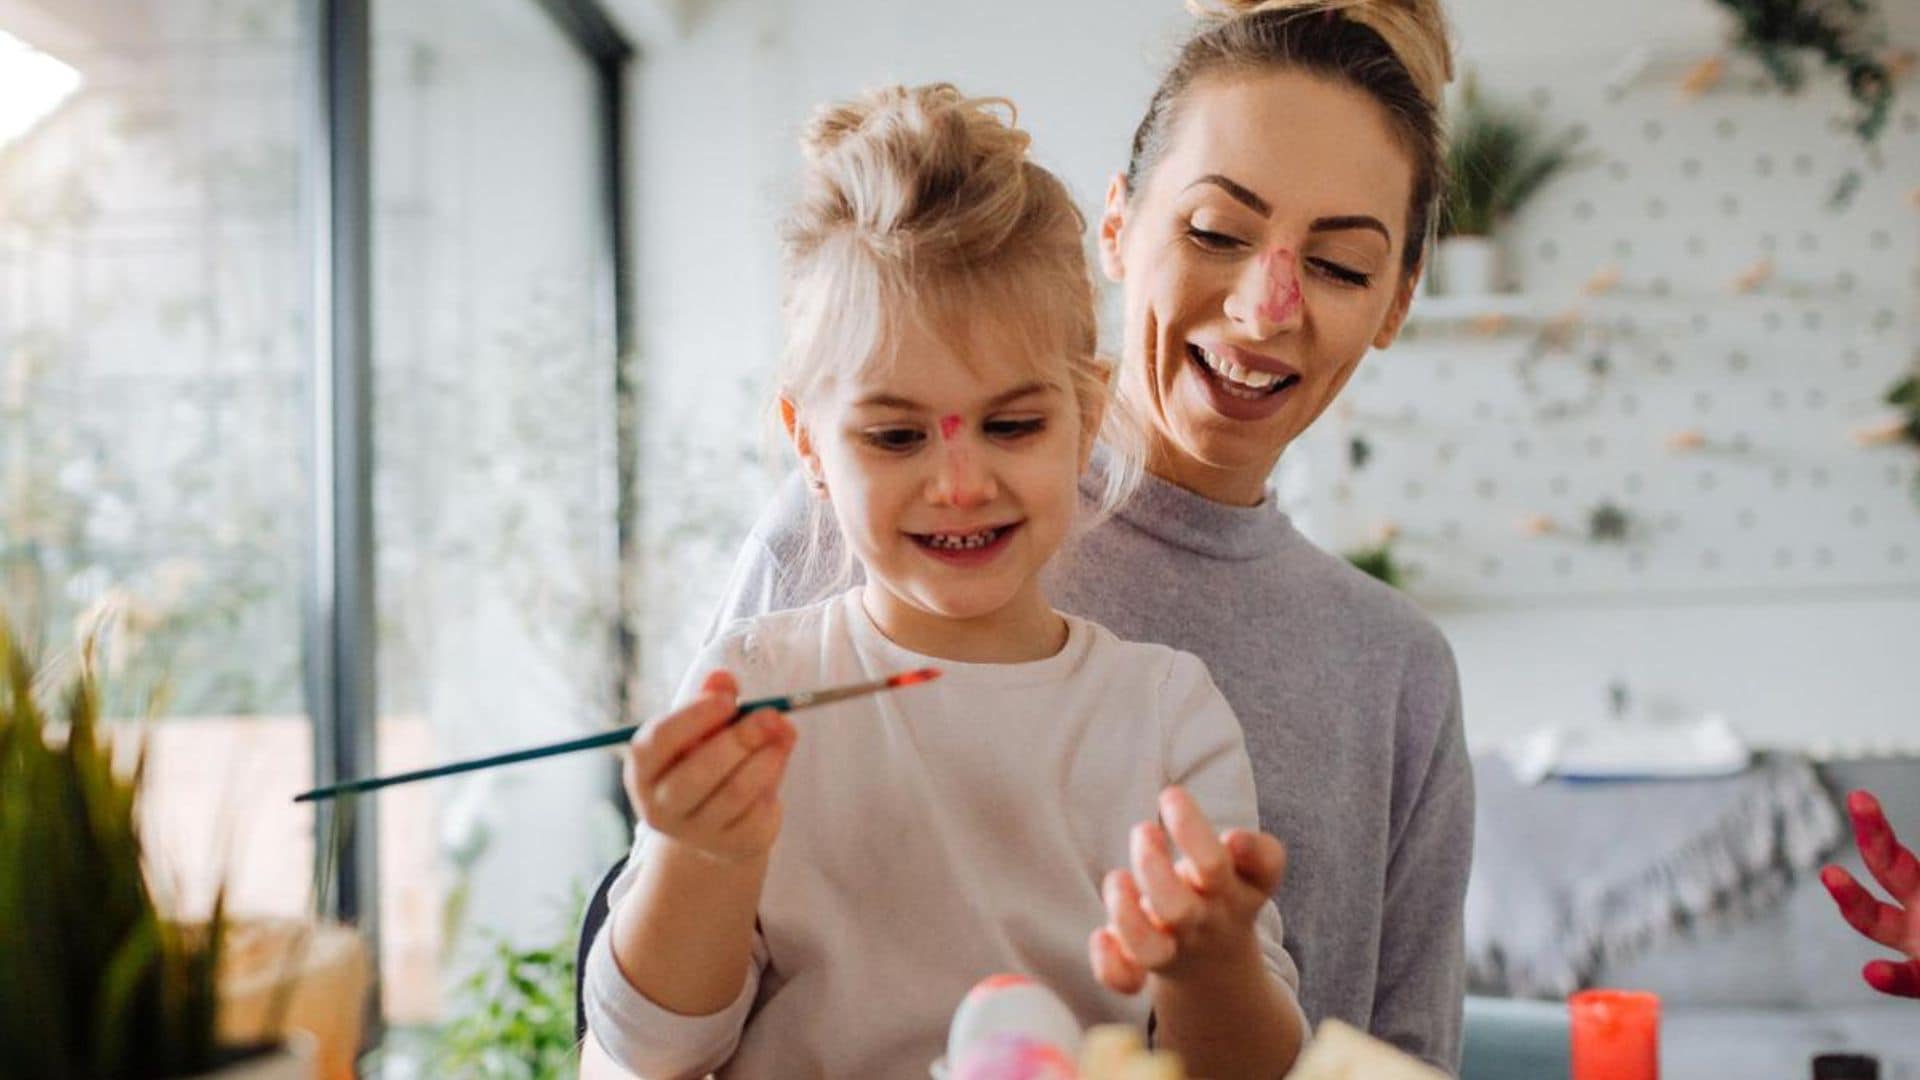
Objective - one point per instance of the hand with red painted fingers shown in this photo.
(709, 786)
(1172, 918)
(1895, 925)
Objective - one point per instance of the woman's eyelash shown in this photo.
(1340, 273)
(1214, 241)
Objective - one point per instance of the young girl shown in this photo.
(814, 896)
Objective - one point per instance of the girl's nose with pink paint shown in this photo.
(961, 481)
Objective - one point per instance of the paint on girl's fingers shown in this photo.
(1282, 301)
(949, 426)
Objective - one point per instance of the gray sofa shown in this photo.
(1755, 1001)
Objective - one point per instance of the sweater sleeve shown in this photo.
(1206, 753)
(1422, 967)
(642, 1036)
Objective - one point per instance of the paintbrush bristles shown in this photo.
(809, 699)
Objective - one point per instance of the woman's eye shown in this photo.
(896, 439)
(1015, 429)
(1213, 241)
(1340, 273)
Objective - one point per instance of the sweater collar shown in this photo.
(1189, 520)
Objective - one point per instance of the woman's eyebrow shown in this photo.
(1258, 205)
(1350, 221)
(1239, 193)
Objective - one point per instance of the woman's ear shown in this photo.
(1402, 303)
(802, 441)
(1113, 220)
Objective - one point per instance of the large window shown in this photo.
(162, 352)
(154, 365)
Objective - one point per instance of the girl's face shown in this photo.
(951, 466)
(1259, 262)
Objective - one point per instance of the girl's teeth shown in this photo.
(963, 543)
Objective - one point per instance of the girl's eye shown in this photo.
(1015, 429)
(894, 439)
(1340, 273)
(1209, 240)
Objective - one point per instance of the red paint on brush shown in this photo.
(949, 425)
(914, 678)
(1283, 287)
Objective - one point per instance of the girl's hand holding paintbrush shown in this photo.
(709, 784)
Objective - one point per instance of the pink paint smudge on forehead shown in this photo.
(949, 425)
(1283, 286)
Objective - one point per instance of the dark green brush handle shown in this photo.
(532, 753)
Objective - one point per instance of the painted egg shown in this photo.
(1013, 1005)
(1005, 1056)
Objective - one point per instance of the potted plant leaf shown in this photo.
(94, 980)
(1497, 158)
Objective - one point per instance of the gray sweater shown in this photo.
(1351, 708)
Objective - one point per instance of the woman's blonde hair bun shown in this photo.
(1416, 30)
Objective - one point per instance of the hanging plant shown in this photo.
(1843, 34)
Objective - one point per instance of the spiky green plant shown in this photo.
(93, 981)
(1497, 159)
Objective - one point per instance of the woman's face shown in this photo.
(1259, 262)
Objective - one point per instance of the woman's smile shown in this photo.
(1241, 386)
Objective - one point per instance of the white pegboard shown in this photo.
(1491, 451)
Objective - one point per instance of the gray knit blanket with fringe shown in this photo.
(1570, 876)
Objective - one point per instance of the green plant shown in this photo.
(1497, 159)
(93, 981)
(516, 1015)
(1777, 32)
(1377, 561)
(1905, 396)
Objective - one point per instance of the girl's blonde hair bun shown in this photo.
(924, 172)
(1416, 30)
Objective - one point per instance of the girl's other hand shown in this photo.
(1173, 919)
(708, 786)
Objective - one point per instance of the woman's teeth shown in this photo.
(962, 541)
(1243, 382)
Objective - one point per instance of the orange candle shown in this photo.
(1616, 1035)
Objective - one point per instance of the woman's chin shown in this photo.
(1220, 444)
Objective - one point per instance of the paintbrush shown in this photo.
(805, 699)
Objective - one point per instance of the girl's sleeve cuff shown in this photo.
(648, 1039)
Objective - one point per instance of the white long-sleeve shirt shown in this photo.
(933, 836)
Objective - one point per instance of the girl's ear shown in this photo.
(1113, 221)
(802, 445)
